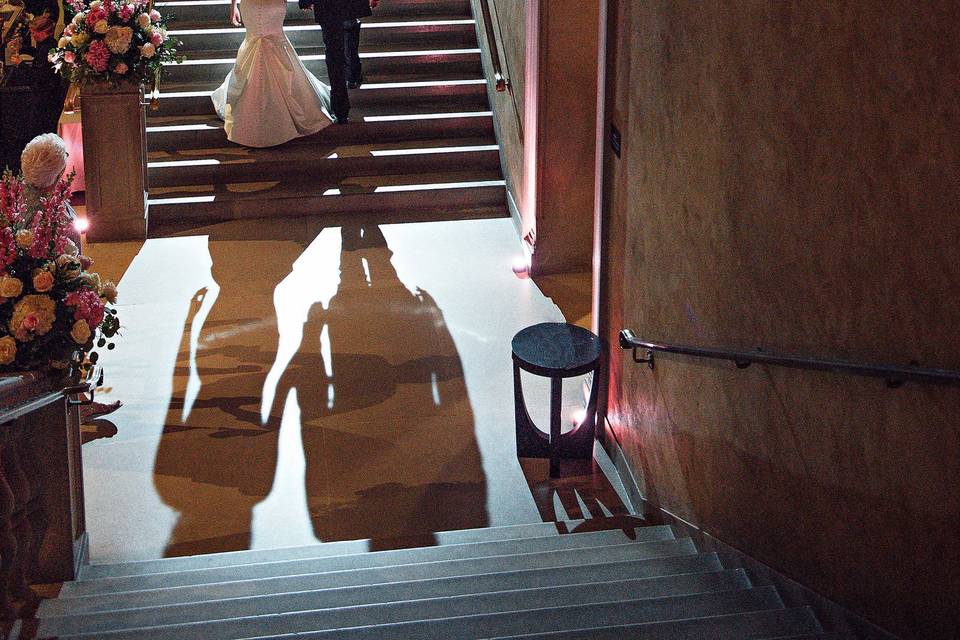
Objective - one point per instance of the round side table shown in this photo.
(555, 350)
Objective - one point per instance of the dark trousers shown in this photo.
(341, 39)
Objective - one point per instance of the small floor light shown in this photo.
(81, 225)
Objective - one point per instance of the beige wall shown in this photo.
(790, 179)
(509, 20)
(566, 136)
(556, 196)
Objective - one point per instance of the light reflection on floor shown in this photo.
(280, 392)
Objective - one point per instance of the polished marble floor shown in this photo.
(317, 384)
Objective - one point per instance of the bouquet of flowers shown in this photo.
(113, 41)
(52, 309)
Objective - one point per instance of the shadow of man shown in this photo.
(386, 422)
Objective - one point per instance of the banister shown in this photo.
(895, 375)
(501, 82)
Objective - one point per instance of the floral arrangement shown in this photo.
(52, 309)
(113, 41)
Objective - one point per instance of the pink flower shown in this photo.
(69, 57)
(87, 307)
(95, 16)
(98, 55)
(126, 12)
(155, 15)
(156, 38)
(8, 247)
(121, 68)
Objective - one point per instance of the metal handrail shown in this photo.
(501, 82)
(895, 375)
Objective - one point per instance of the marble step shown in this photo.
(562, 618)
(365, 199)
(756, 625)
(465, 94)
(405, 601)
(189, 135)
(456, 619)
(653, 536)
(436, 33)
(653, 559)
(302, 163)
(212, 10)
(322, 550)
(422, 63)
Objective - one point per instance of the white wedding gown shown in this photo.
(269, 97)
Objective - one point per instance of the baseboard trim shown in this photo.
(833, 617)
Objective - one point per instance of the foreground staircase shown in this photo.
(523, 581)
(420, 145)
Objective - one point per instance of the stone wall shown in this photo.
(790, 180)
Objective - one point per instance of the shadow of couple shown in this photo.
(296, 358)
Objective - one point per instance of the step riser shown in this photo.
(321, 550)
(602, 586)
(474, 627)
(667, 565)
(647, 610)
(763, 625)
(467, 97)
(446, 36)
(182, 13)
(428, 66)
(659, 540)
(355, 133)
(303, 170)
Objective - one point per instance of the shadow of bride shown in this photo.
(371, 380)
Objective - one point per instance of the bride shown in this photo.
(269, 97)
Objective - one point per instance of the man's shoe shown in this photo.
(341, 120)
(355, 85)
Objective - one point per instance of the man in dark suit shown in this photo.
(340, 22)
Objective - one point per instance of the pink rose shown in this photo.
(43, 281)
(30, 322)
(156, 39)
(69, 57)
(155, 15)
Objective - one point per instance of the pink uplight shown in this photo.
(81, 225)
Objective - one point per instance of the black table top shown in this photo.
(556, 349)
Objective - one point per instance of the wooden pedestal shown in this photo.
(115, 161)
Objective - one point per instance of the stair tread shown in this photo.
(681, 557)
(646, 536)
(456, 619)
(410, 601)
(306, 20)
(344, 547)
(757, 625)
(230, 152)
(358, 114)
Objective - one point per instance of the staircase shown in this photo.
(524, 581)
(420, 145)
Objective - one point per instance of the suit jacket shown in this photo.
(326, 11)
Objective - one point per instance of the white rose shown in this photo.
(147, 50)
(63, 42)
(143, 20)
(101, 26)
(96, 4)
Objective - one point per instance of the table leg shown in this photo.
(556, 390)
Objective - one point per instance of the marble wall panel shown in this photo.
(790, 180)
